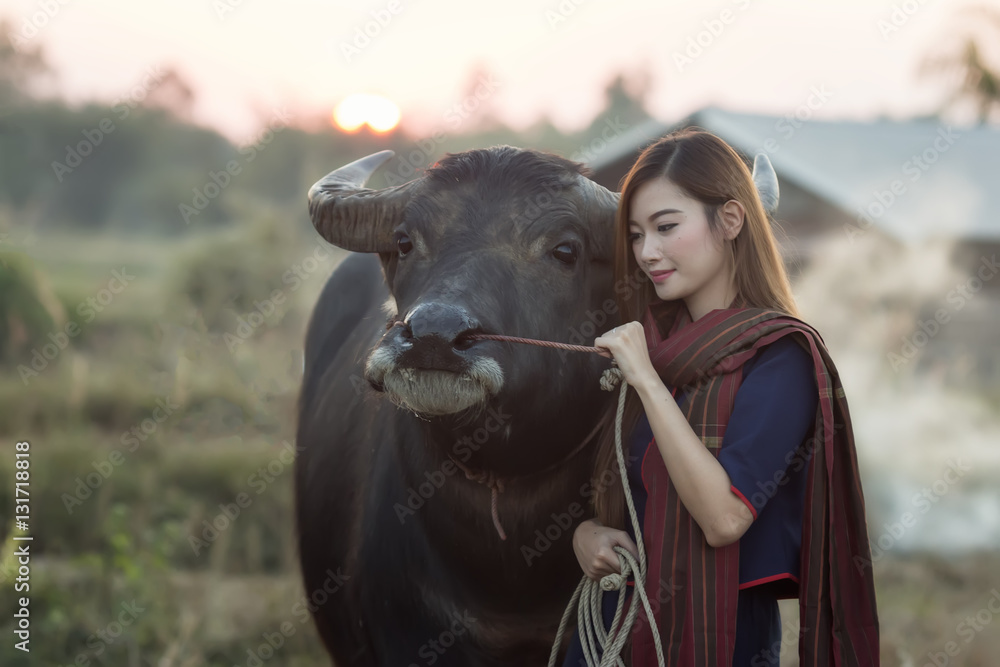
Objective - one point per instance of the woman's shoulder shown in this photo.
(784, 356)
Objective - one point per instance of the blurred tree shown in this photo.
(624, 108)
(626, 96)
(22, 68)
(173, 93)
(139, 165)
(475, 110)
(968, 63)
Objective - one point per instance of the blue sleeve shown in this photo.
(773, 413)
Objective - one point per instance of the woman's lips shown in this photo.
(660, 276)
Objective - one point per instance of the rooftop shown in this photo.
(915, 179)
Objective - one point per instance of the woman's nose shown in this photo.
(650, 250)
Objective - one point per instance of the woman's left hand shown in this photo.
(627, 344)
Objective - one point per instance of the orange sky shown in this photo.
(248, 58)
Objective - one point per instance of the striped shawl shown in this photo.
(693, 587)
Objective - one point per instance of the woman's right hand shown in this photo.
(594, 544)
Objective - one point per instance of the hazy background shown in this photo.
(131, 260)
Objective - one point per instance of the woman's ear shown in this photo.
(732, 215)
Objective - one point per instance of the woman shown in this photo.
(738, 429)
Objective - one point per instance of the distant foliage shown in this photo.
(233, 274)
(28, 311)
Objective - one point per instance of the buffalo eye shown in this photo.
(565, 253)
(403, 244)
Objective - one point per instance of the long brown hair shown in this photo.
(705, 168)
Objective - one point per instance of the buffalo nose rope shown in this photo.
(590, 620)
(588, 593)
(488, 478)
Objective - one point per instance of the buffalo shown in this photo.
(439, 477)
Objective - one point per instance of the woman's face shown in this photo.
(670, 235)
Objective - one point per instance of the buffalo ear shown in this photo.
(600, 206)
(766, 181)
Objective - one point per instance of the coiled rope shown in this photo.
(587, 597)
(589, 593)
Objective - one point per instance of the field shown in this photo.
(160, 439)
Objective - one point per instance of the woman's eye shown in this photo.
(403, 244)
(565, 252)
(664, 227)
(633, 238)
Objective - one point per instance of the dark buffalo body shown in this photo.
(494, 241)
(392, 535)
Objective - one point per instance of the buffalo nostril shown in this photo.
(439, 323)
(464, 340)
(399, 328)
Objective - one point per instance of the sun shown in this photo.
(378, 113)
